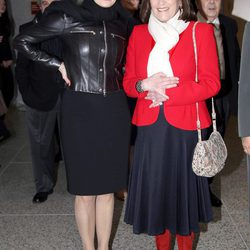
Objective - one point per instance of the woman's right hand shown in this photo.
(159, 82)
(156, 86)
(63, 72)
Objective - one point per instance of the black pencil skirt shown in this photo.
(95, 134)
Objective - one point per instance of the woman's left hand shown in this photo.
(156, 98)
(63, 72)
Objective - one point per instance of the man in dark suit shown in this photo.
(225, 31)
(40, 88)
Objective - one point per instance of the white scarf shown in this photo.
(166, 36)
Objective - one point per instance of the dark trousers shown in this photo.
(41, 129)
(222, 109)
(7, 85)
(222, 106)
(3, 129)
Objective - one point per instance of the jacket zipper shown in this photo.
(105, 57)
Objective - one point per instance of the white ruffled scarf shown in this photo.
(166, 36)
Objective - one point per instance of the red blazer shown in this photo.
(180, 109)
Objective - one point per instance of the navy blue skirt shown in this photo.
(164, 193)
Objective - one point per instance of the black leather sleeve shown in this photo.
(50, 26)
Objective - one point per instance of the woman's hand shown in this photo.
(63, 72)
(246, 144)
(158, 82)
(6, 64)
(156, 98)
(156, 86)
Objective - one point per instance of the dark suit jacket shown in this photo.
(5, 31)
(38, 84)
(232, 60)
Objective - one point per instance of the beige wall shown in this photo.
(227, 9)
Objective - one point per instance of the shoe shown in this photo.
(4, 136)
(41, 196)
(215, 201)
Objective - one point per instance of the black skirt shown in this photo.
(95, 134)
(164, 193)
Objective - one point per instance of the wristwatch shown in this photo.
(138, 86)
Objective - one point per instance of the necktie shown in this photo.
(220, 50)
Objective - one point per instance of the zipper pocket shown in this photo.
(83, 31)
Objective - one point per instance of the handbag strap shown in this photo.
(198, 123)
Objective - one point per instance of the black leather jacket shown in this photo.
(93, 51)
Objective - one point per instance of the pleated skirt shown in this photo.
(95, 136)
(164, 193)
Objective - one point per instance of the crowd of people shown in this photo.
(84, 67)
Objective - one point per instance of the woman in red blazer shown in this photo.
(165, 197)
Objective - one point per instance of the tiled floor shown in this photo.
(51, 226)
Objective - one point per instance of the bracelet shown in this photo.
(138, 86)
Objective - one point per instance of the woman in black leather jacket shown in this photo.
(95, 120)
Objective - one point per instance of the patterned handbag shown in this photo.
(209, 155)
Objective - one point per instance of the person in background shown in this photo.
(40, 88)
(133, 7)
(4, 132)
(6, 78)
(6, 59)
(165, 197)
(225, 31)
(95, 119)
(244, 100)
